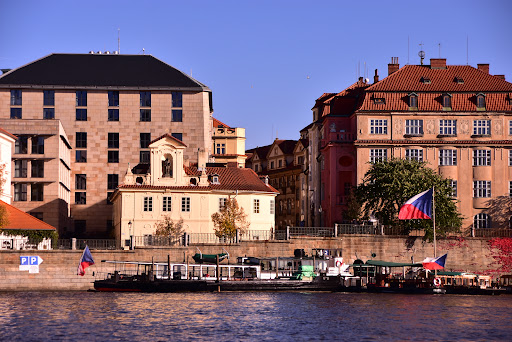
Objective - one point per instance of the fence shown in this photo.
(103, 244)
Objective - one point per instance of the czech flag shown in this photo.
(434, 263)
(85, 261)
(418, 207)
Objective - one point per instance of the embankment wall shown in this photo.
(59, 267)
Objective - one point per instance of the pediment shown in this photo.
(167, 142)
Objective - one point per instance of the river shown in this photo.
(91, 316)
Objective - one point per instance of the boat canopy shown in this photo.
(209, 258)
(392, 264)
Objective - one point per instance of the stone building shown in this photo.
(6, 142)
(228, 144)
(103, 110)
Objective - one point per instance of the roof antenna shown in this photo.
(467, 49)
(439, 50)
(421, 53)
(118, 40)
(407, 50)
(144, 51)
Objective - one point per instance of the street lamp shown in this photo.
(130, 233)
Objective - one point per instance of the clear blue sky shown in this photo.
(256, 56)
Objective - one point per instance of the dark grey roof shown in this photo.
(100, 70)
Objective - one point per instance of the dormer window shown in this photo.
(510, 99)
(379, 100)
(215, 179)
(425, 80)
(480, 101)
(458, 80)
(447, 101)
(413, 101)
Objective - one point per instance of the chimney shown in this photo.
(438, 63)
(5, 71)
(483, 67)
(501, 77)
(376, 77)
(393, 66)
(360, 80)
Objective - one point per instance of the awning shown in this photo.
(392, 264)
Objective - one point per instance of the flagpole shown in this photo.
(434, 223)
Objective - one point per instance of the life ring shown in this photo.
(338, 263)
(437, 282)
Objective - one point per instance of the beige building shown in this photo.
(228, 144)
(171, 187)
(6, 142)
(110, 107)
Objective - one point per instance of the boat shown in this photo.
(467, 283)
(209, 258)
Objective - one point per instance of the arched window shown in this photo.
(482, 221)
(413, 100)
(480, 101)
(167, 166)
(447, 101)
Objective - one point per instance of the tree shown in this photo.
(388, 185)
(230, 219)
(168, 228)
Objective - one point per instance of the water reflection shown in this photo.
(70, 316)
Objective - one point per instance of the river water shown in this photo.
(91, 316)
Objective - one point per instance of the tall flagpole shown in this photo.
(434, 219)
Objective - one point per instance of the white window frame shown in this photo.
(378, 126)
(222, 202)
(414, 127)
(148, 203)
(453, 184)
(509, 157)
(167, 203)
(448, 127)
(185, 204)
(272, 207)
(378, 155)
(481, 189)
(447, 157)
(481, 221)
(481, 157)
(256, 206)
(481, 127)
(414, 154)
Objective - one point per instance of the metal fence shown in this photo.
(104, 244)
(489, 232)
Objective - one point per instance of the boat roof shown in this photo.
(392, 264)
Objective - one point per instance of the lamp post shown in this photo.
(130, 233)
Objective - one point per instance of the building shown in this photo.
(171, 187)
(104, 110)
(456, 118)
(6, 142)
(228, 144)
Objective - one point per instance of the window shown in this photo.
(145, 99)
(113, 98)
(37, 145)
(481, 127)
(414, 154)
(256, 167)
(256, 206)
(81, 114)
(80, 197)
(447, 157)
(378, 126)
(510, 127)
(48, 98)
(167, 203)
(36, 192)
(145, 115)
(113, 156)
(112, 181)
(15, 113)
(185, 204)
(480, 101)
(178, 136)
(280, 163)
(81, 140)
(109, 195)
(222, 203)
(481, 189)
(177, 115)
(481, 221)
(272, 165)
(148, 203)
(81, 156)
(37, 167)
(20, 192)
(448, 127)
(48, 113)
(378, 155)
(272, 207)
(481, 157)
(21, 145)
(509, 157)
(145, 139)
(510, 190)
(113, 140)
(220, 149)
(144, 157)
(113, 115)
(413, 101)
(447, 101)
(177, 99)
(80, 182)
(20, 168)
(81, 98)
(16, 97)
(453, 184)
(414, 127)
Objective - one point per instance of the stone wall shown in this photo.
(58, 269)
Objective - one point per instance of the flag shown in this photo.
(418, 207)
(85, 261)
(434, 263)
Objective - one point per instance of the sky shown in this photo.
(265, 61)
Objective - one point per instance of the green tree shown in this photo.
(388, 185)
(168, 228)
(230, 219)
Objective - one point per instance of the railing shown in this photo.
(251, 235)
(155, 240)
(359, 229)
(104, 244)
(490, 232)
(311, 231)
(209, 238)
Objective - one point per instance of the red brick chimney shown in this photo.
(376, 77)
(437, 63)
(483, 67)
(501, 77)
(393, 66)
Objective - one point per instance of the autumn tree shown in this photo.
(229, 219)
(388, 185)
(4, 220)
(168, 228)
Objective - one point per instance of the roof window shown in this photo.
(425, 80)
(480, 101)
(379, 100)
(447, 101)
(413, 101)
(459, 80)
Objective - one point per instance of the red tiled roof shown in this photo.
(287, 146)
(21, 220)
(230, 178)
(168, 136)
(217, 123)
